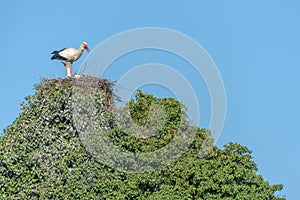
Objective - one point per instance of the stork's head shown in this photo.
(85, 46)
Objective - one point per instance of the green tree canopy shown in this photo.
(42, 155)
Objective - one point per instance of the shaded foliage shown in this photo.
(42, 156)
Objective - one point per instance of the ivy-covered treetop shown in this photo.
(43, 156)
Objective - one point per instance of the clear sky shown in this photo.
(255, 45)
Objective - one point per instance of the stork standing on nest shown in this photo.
(69, 55)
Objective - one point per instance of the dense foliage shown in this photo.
(43, 157)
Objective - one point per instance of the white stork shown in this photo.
(69, 55)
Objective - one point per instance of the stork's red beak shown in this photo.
(87, 48)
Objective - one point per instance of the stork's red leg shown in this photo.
(71, 65)
(65, 64)
(68, 69)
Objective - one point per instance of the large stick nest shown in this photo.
(84, 83)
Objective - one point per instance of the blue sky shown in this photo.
(254, 44)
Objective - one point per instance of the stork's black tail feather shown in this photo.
(55, 52)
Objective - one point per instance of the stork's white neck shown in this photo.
(81, 48)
